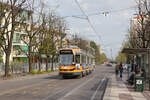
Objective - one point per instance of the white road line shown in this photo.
(22, 88)
(76, 88)
(54, 94)
(94, 94)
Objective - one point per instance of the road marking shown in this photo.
(59, 92)
(24, 92)
(35, 92)
(54, 94)
(25, 87)
(94, 94)
(76, 88)
(37, 88)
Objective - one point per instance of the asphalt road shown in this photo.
(53, 87)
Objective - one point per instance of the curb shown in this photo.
(107, 90)
(105, 87)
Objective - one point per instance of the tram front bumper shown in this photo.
(70, 73)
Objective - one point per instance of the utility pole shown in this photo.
(60, 30)
(111, 53)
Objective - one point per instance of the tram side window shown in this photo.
(77, 59)
(87, 60)
(83, 60)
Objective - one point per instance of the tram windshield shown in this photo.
(66, 59)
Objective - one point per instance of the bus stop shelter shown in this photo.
(137, 51)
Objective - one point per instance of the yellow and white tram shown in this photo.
(75, 62)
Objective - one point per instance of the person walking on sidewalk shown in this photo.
(121, 70)
(117, 69)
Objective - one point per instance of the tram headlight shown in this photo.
(77, 66)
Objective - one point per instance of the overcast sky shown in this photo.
(111, 29)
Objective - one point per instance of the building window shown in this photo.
(16, 38)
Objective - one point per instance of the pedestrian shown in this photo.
(132, 66)
(131, 78)
(117, 69)
(143, 73)
(137, 69)
(121, 70)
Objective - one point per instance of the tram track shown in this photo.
(53, 87)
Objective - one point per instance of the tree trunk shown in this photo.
(148, 66)
(47, 64)
(7, 64)
(30, 64)
(52, 68)
(30, 56)
(39, 63)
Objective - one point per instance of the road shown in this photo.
(53, 87)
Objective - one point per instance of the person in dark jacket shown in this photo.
(131, 78)
(121, 69)
(143, 73)
(117, 69)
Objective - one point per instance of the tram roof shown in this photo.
(79, 51)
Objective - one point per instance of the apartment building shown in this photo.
(19, 48)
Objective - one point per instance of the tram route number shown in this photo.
(138, 81)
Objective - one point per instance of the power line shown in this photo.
(104, 12)
(80, 17)
(80, 8)
(111, 11)
(87, 18)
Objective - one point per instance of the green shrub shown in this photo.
(48, 71)
(40, 72)
(53, 71)
(33, 72)
(9, 74)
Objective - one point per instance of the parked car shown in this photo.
(109, 65)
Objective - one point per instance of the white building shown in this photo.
(18, 46)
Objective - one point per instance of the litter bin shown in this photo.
(139, 83)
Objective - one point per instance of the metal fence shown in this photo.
(1, 68)
(18, 67)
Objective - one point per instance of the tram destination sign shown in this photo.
(66, 52)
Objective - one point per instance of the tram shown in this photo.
(75, 62)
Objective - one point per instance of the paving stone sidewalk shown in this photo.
(118, 89)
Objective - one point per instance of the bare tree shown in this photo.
(54, 29)
(10, 17)
(48, 46)
(140, 26)
(34, 30)
(61, 27)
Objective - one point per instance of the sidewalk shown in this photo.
(118, 89)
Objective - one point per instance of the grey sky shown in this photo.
(111, 28)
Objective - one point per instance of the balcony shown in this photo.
(17, 38)
(19, 51)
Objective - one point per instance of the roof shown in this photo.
(140, 16)
(135, 50)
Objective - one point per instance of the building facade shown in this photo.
(19, 48)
